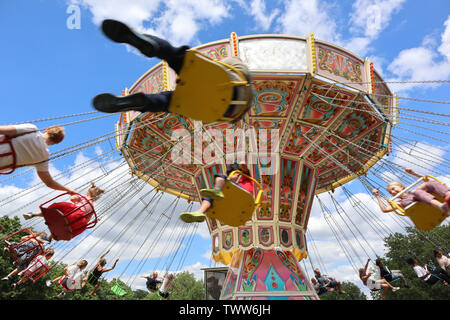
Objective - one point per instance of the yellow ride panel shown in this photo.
(235, 209)
(424, 216)
(205, 89)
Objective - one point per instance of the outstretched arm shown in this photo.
(367, 265)
(113, 266)
(413, 173)
(9, 131)
(383, 207)
(49, 182)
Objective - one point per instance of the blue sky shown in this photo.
(49, 70)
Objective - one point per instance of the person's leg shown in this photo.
(12, 273)
(385, 283)
(199, 215)
(216, 192)
(443, 275)
(158, 102)
(338, 285)
(93, 293)
(149, 45)
(57, 279)
(428, 198)
(385, 291)
(219, 183)
(30, 215)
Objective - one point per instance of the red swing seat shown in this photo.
(65, 288)
(12, 154)
(39, 269)
(35, 245)
(66, 220)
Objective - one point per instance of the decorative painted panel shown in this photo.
(324, 103)
(288, 181)
(340, 66)
(273, 97)
(216, 51)
(297, 142)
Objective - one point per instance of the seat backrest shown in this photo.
(12, 154)
(424, 216)
(205, 89)
(57, 224)
(237, 209)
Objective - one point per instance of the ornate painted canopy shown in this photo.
(333, 114)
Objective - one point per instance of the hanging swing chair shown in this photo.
(238, 204)
(66, 220)
(424, 216)
(12, 154)
(36, 270)
(33, 246)
(207, 97)
(66, 282)
(117, 289)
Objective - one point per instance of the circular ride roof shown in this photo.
(331, 108)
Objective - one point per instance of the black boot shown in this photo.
(149, 45)
(109, 103)
(141, 102)
(121, 33)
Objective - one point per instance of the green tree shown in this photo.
(187, 288)
(420, 245)
(352, 293)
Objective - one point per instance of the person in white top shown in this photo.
(30, 147)
(166, 285)
(375, 285)
(72, 278)
(37, 265)
(442, 260)
(430, 277)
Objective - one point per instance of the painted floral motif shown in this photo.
(355, 124)
(297, 141)
(216, 52)
(273, 97)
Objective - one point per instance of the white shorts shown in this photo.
(373, 284)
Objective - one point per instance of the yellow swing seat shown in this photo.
(205, 89)
(424, 216)
(238, 205)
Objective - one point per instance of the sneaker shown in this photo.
(109, 103)
(14, 286)
(395, 289)
(121, 33)
(61, 295)
(28, 215)
(5, 251)
(190, 217)
(5, 278)
(212, 193)
(48, 283)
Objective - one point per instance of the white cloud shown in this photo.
(257, 9)
(422, 157)
(423, 63)
(176, 20)
(371, 17)
(302, 17)
(130, 232)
